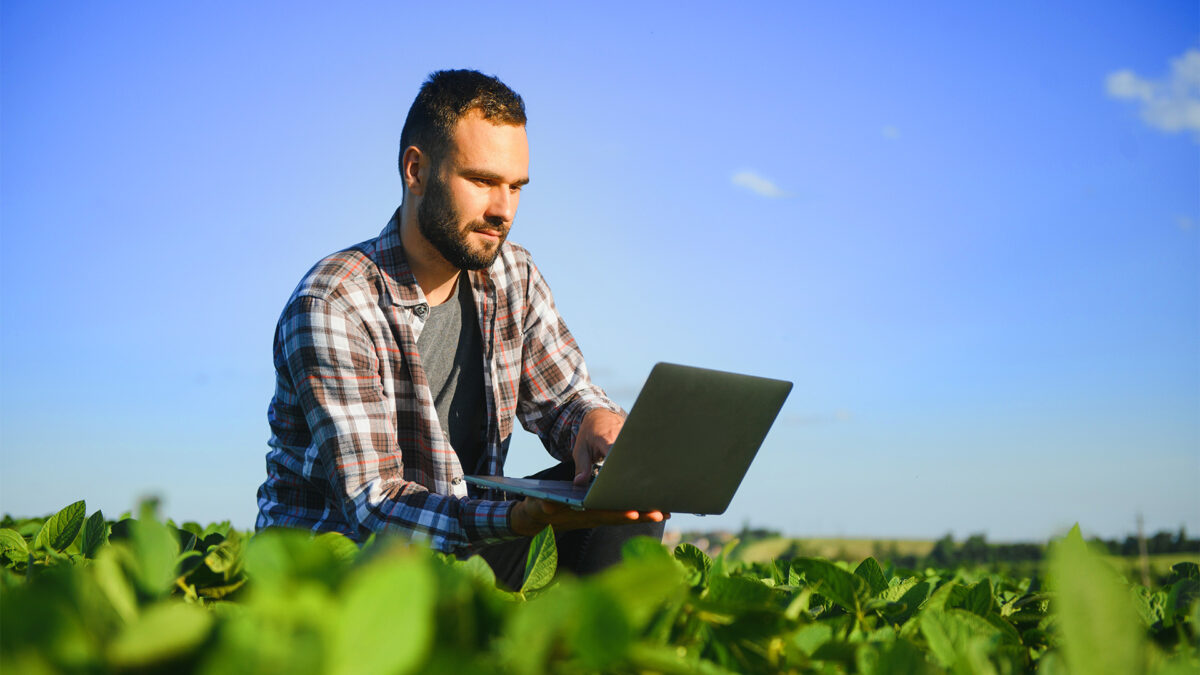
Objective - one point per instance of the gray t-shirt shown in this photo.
(452, 354)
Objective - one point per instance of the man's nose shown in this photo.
(503, 204)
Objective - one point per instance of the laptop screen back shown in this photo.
(688, 441)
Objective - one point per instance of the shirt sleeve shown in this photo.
(556, 391)
(334, 369)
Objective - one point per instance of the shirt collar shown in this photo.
(399, 282)
(398, 279)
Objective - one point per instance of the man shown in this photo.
(401, 362)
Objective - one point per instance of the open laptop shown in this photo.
(685, 447)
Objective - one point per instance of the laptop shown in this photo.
(685, 447)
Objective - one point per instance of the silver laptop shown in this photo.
(688, 441)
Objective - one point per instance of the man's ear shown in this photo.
(414, 169)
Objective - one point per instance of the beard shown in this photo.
(438, 221)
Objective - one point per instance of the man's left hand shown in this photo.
(596, 436)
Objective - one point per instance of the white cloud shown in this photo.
(1172, 104)
(890, 132)
(757, 184)
(1185, 223)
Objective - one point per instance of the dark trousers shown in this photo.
(581, 552)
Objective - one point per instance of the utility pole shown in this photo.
(1143, 556)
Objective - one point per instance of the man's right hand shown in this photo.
(532, 515)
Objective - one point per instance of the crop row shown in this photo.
(83, 594)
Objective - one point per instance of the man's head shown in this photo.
(464, 158)
(445, 98)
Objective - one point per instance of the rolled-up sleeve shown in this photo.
(334, 371)
(556, 390)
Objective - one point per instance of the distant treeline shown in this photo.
(976, 549)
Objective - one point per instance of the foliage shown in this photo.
(82, 594)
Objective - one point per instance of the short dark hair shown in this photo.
(445, 98)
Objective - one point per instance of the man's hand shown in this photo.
(532, 515)
(597, 433)
(596, 436)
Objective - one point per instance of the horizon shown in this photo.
(969, 235)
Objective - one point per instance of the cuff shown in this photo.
(490, 522)
(573, 414)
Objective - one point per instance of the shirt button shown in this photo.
(422, 310)
(457, 480)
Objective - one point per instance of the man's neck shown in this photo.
(434, 274)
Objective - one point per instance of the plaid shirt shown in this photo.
(356, 445)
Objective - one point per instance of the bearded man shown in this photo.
(402, 362)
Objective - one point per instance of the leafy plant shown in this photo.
(86, 594)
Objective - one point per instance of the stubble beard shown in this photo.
(437, 220)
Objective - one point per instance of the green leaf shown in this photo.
(693, 558)
(869, 570)
(387, 623)
(833, 582)
(219, 592)
(739, 594)
(1098, 623)
(533, 629)
(109, 573)
(61, 528)
(1179, 599)
(981, 599)
(163, 632)
(643, 587)
(943, 596)
(478, 569)
(641, 548)
(541, 562)
(899, 657)
(954, 634)
(671, 661)
(221, 529)
(226, 558)
(13, 545)
(913, 598)
(1186, 570)
(29, 528)
(155, 548)
(602, 634)
(342, 547)
(812, 636)
(95, 534)
(186, 541)
(277, 558)
(1149, 605)
(897, 591)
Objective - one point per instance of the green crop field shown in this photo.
(850, 550)
(89, 595)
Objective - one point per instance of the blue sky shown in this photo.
(970, 236)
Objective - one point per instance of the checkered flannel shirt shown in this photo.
(356, 445)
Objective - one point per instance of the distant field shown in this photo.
(1159, 564)
(852, 550)
(855, 550)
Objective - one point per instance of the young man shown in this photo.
(402, 362)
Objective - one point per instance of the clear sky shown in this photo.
(970, 236)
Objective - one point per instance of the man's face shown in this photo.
(471, 196)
